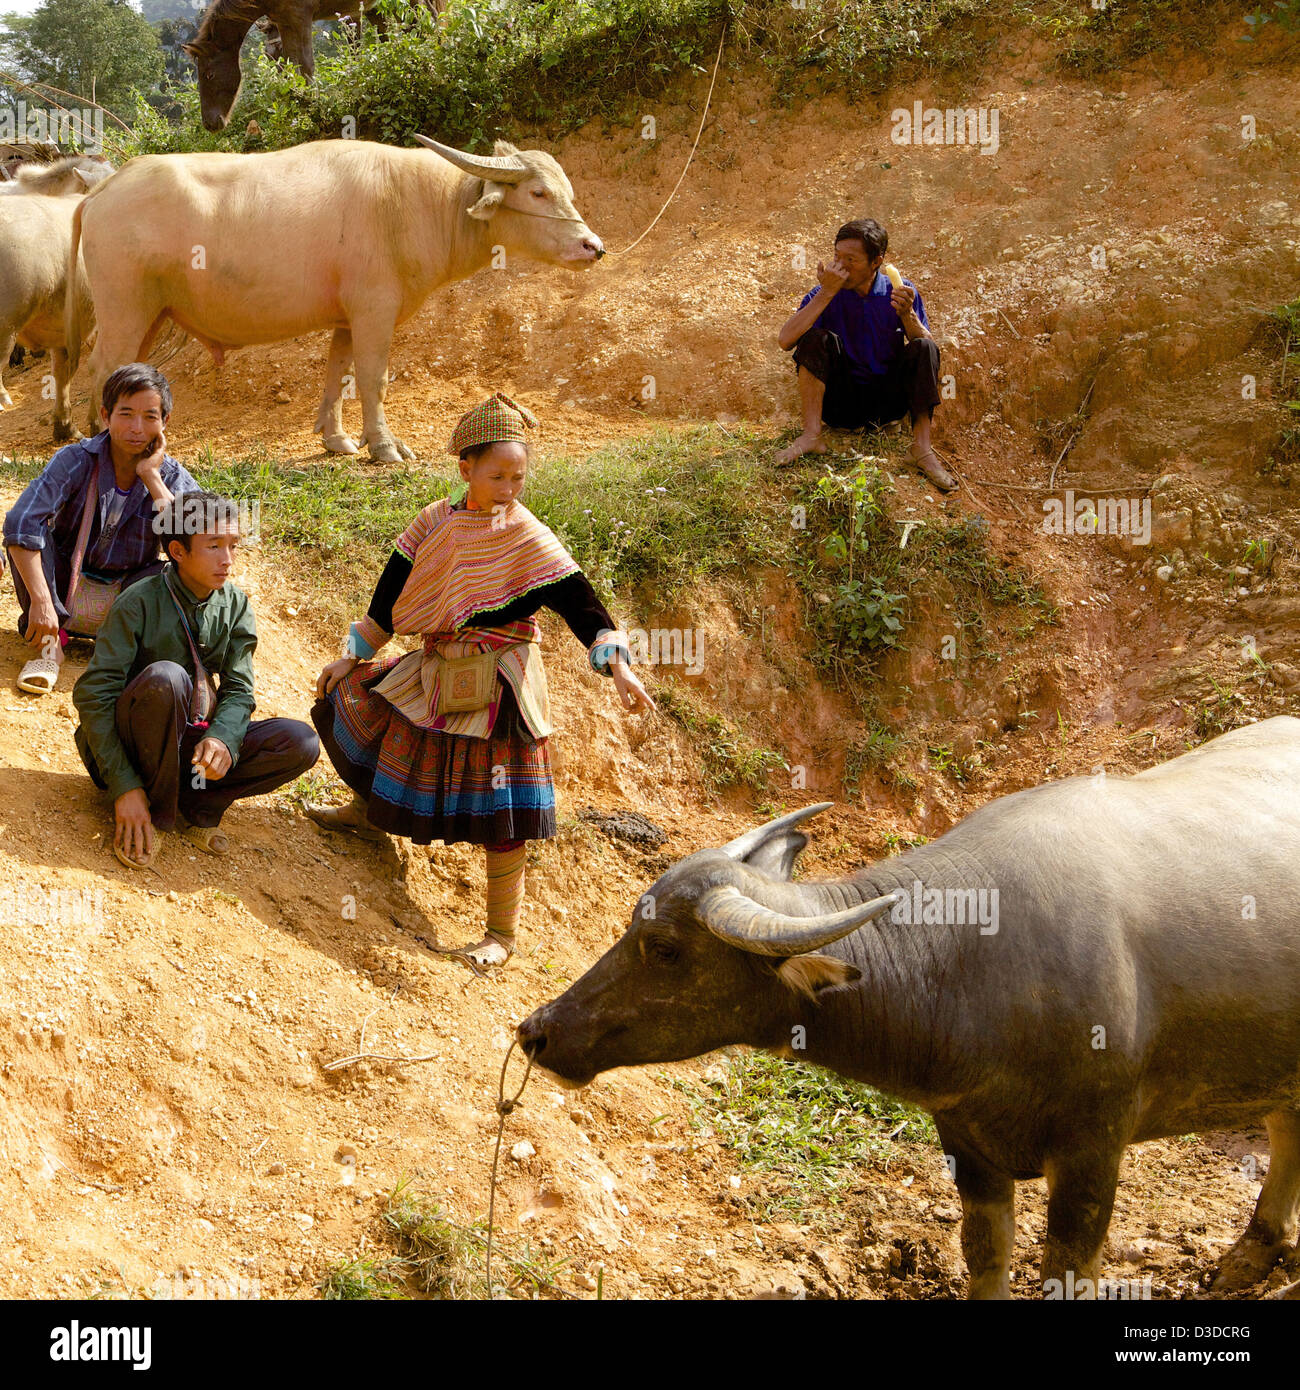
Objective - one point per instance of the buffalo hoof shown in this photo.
(63, 431)
(1245, 1264)
(340, 444)
(6, 399)
(393, 452)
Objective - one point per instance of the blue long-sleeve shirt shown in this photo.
(868, 325)
(50, 509)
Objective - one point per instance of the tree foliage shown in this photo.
(95, 49)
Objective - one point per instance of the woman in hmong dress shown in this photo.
(469, 575)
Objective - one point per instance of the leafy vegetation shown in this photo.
(489, 68)
(83, 48)
(1099, 39)
(860, 565)
(808, 1131)
(1284, 13)
(669, 508)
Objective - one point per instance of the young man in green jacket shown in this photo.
(154, 731)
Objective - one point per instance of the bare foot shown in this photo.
(805, 444)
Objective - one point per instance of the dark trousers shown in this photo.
(910, 386)
(57, 569)
(152, 722)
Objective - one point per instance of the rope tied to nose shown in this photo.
(504, 1107)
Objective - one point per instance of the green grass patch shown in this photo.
(667, 509)
(808, 1131)
(729, 757)
(443, 1259)
(367, 1277)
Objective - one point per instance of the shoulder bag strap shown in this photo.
(202, 698)
(83, 532)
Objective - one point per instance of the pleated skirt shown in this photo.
(428, 785)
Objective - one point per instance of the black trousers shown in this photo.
(909, 387)
(152, 722)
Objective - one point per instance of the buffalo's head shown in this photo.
(219, 79)
(715, 954)
(528, 198)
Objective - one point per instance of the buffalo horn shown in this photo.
(740, 921)
(497, 168)
(747, 843)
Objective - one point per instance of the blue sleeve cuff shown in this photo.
(357, 646)
(604, 648)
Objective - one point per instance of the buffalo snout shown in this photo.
(531, 1034)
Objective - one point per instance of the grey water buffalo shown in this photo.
(1067, 971)
(36, 214)
(361, 233)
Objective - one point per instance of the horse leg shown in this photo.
(272, 42)
(295, 42)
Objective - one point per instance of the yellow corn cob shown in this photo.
(891, 271)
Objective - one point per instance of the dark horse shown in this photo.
(287, 26)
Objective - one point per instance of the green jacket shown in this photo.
(142, 627)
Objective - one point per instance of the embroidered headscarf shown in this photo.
(494, 421)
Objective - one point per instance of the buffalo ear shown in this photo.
(776, 855)
(808, 975)
(494, 194)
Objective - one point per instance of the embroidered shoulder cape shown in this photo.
(465, 562)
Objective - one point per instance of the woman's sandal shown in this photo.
(494, 949)
(39, 676)
(328, 818)
(929, 464)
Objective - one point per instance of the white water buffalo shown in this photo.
(340, 234)
(36, 214)
(1076, 967)
(73, 174)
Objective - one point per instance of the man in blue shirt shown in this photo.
(130, 472)
(863, 351)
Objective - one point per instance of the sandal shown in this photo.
(146, 863)
(211, 839)
(328, 818)
(39, 676)
(494, 949)
(928, 462)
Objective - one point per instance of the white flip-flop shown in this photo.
(39, 676)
